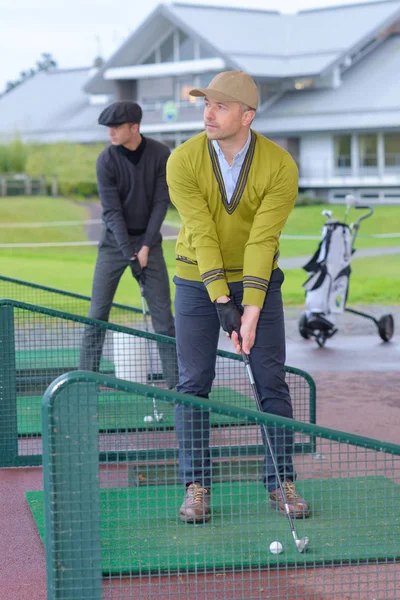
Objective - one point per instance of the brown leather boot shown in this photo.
(196, 505)
(298, 507)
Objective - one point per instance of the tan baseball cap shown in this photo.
(231, 86)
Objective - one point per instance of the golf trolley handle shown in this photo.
(368, 214)
(365, 207)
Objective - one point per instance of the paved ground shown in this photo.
(356, 347)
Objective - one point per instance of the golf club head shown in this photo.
(302, 545)
(158, 417)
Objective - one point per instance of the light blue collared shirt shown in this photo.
(230, 174)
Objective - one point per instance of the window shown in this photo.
(205, 79)
(302, 84)
(392, 149)
(151, 59)
(342, 151)
(368, 151)
(184, 87)
(186, 47)
(167, 49)
(267, 89)
(205, 53)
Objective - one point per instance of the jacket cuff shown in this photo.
(217, 288)
(254, 297)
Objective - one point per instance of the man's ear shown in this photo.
(248, 117)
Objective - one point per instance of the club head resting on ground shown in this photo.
(302, 545)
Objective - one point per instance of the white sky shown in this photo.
(75, 31)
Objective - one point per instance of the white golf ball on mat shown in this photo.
(275, 547)
(148, 419)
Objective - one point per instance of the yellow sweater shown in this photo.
(220, 242)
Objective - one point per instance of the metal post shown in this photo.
(72, 492)
(8, 394)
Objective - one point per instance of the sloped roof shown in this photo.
(49, 102)
(368, 97)
(270, 44)
(263, 43)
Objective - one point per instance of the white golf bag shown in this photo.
(329, 273)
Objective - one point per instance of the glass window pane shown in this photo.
(167, 49)
(368, 150)
(267, 89)
(205, 78)
(205, 53)
(392, 149)
(186, 47)
(151, 59)
(184, 87)
(342, 151)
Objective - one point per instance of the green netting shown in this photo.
(122, 412)
(137, 539)
(39, 344)
(44, 359)
(42, 295)
(121, 516)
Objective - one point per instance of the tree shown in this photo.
(46, 63)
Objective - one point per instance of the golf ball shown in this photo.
(148, 419)
(276, 547)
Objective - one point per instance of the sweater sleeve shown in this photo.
(261, 249)
(200, 228)
(160, 199)
(112, 208)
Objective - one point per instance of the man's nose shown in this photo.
(209, 113)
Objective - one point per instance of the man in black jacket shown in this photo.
(134, 197)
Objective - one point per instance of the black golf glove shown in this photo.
(137, 271)
(229, 316)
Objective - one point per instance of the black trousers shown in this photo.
(110, 266)
(197, 333)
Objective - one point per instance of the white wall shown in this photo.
(316, 156)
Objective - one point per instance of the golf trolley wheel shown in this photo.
(303, 330)
(386, 327)
(320, 338)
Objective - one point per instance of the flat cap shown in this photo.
(119, 113)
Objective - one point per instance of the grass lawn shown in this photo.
(18, 209)
(374, 279)
(307, 220)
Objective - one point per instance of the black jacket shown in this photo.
(133, 197)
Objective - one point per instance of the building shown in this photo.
(328, 81)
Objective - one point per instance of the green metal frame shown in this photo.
(45, 288)
(67, 435)
(11, 458)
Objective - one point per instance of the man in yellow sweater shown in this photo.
(234, 190)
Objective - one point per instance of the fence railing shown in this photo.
(22, 185)
(70, 302)
(113, 530)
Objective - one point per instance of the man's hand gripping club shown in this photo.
(240, 328)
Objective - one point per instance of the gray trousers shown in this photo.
(197, 333)
(110, 266)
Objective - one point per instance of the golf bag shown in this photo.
(329, 273)
(328, 283)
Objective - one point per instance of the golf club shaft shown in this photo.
(149, 353)
(249, 370)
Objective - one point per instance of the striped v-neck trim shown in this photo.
(243, 175)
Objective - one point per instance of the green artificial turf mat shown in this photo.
(54, 358)
(354, 519)
(122, 411)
